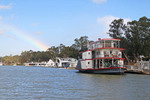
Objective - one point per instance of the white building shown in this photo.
(50, 63)
(63, 62)
(1, 63)
(60, 62)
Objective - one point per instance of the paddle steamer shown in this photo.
(103, 57)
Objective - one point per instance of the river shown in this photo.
(41, 83)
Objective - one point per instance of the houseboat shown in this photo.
(102, 57)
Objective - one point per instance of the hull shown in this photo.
(111, 70)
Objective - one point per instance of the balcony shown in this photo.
(103, 45)
(108, 55)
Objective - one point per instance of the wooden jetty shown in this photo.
(142, 67)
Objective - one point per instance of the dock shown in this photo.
(142, 67)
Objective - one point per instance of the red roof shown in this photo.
(111, 39)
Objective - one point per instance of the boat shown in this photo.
(102, 57)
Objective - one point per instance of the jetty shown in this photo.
(142, 67)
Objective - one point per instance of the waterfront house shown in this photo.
(50, 63)
(63, 62)
(60, 62)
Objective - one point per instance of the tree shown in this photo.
(117, 30)
(135, 36)
(144, 27)
(134, 39)
(25, 57)
(69, 52)
(81, 43)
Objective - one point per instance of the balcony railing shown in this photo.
(107, 55)
(102, 46)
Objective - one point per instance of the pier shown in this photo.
(142, 67)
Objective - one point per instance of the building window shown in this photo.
(110, 52)
(98, 52)
(104, 52)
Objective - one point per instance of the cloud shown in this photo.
(104, 22)
(38, 33)
(99, 1)
(36, 24)
(7, 7)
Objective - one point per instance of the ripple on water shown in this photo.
(38, 83)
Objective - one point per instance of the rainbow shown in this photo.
(23, 35)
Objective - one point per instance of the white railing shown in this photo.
(107, 55)
(101, 46)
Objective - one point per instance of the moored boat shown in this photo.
(102, 57)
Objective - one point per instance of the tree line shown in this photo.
(134, 35)
(51, 53)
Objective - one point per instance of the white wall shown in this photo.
(83, 64)
(86, 64)
(89, 63)
(50, 63)
(87, 55)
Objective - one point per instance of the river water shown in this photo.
(40, 83)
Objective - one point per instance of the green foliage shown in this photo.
(117, 28)
(69, 52)
(81, 43)
(11, 60)
(39, 56)
(135, 36)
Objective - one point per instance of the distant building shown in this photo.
(50, 63)
(1, 63)
(36, 64)
(60, 62)
(66, 62)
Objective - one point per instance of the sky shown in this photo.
(39, 24)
